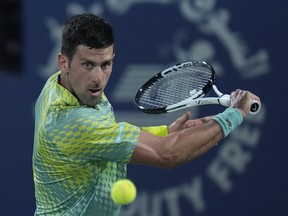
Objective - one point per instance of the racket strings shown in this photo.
(174, 87)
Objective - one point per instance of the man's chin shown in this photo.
(97, 102)
(92, 103)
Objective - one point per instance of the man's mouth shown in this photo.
(95, 91)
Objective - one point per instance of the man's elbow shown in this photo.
(172, 160)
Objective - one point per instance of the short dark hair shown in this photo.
(86, 29)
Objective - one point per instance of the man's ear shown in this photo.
(63, 63)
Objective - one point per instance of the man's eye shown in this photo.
(87, 65)
(106, 66)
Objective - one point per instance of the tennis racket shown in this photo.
(181, 86)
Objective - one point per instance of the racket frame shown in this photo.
(196, 98)
(179, 105)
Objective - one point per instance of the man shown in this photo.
(79, 149)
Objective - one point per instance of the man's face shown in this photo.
(88, 73)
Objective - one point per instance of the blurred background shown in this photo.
(245, 41)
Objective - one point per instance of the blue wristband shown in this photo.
(229, 120)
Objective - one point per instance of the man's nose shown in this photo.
(97, 75)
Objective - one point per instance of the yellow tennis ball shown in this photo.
(123, 192)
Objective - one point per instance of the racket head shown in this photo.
(191, 79)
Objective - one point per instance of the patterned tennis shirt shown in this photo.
(79, 152)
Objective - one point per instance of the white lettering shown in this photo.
(216, 22)
(218, 172)
(235, 156)
(145, 205)
(194, 193)
(153, 204)
(123, 6)
(172, 196)
(248, 135)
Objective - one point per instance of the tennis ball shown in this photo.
(123, 192)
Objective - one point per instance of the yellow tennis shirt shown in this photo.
(79, 152)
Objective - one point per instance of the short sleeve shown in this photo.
(88, 135)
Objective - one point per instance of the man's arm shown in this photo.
(187, 144)
(176, 148)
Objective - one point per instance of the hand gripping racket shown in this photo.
(181, 86)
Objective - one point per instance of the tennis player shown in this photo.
(79, 148)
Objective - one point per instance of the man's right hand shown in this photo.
(242, 100)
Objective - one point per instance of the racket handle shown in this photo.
(255, 107)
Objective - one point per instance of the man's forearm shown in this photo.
(190, 143)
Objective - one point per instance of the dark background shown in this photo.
(146, 33)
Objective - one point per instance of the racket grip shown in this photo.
(255, 107)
